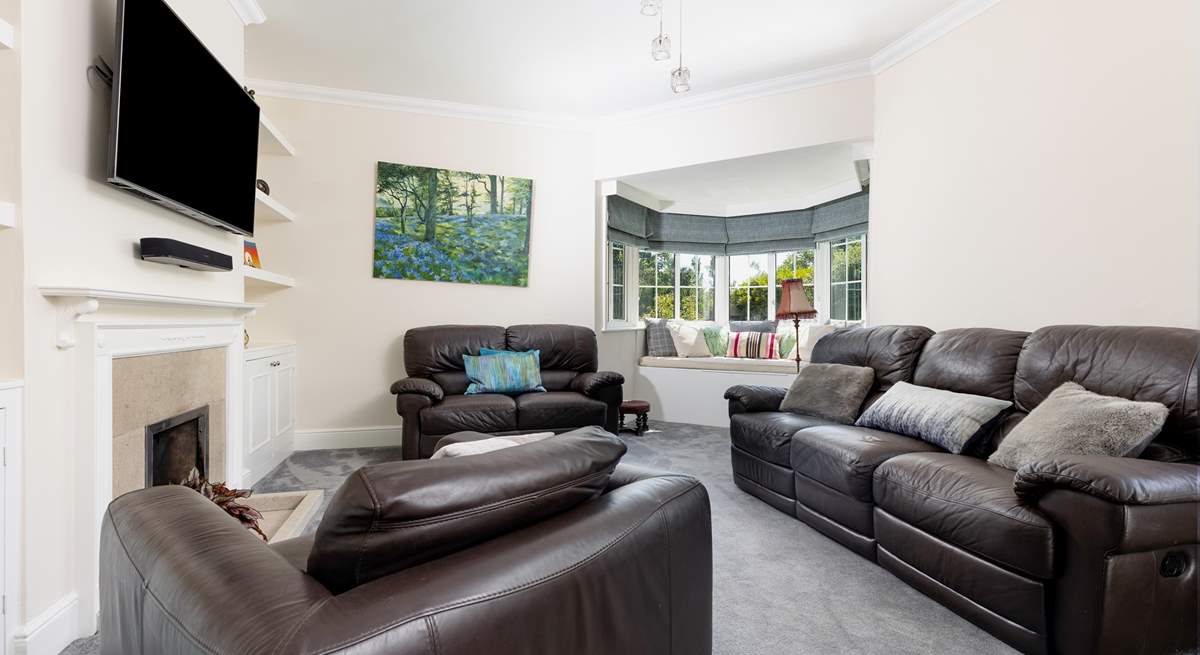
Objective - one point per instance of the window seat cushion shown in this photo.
(722, 364)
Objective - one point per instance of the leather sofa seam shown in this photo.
(926, 494)
(362, 549)
(527, 585)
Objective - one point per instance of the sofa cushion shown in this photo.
(891, 350)
(503, 373)
(978, 361)
(970, 504)
(563, 347)
(1075, 421)
(768, 435)
(844, 457)
(956, 422)
(488, 412)
(558, 409)
(1155, 364)
(439, 348)
(388, 517)
(829, 391)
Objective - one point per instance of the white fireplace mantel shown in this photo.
(77, 302)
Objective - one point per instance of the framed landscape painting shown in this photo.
(451, 226)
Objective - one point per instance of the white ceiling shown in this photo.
(583, 58)
(779, 181)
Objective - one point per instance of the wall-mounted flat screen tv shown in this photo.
(184, 131)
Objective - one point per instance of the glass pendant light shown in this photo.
(651, 7)
(681, 78)
(660, 46)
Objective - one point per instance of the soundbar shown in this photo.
(178, 253)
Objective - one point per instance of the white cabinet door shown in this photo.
(285, 405)
(260, 419)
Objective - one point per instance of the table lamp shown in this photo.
(795, 305)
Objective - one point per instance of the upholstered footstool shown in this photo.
(641, 411)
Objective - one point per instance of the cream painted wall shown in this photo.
(1039, 165)
(11, 252)
(350, 326)
(78, 231)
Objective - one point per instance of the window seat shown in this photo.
(721, 364)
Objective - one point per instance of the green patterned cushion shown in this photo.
(504, 372)
(717, 341)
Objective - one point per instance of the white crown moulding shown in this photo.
(931, 30)
(926, 33)
(249, 11)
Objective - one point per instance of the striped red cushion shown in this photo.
(753, 345)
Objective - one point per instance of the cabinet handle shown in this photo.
(275, 363)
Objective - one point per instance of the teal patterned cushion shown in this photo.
(501, 371)
(716, 341)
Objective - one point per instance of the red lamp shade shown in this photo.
(794, 303)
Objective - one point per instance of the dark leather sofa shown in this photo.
(1072, 555)
(432, 403)
(625, 569)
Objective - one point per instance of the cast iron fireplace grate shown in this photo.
(175, 446)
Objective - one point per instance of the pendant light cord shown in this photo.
(680, 34)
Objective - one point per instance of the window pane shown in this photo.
(854, 261)
(618, 264)
(708, 305)
(854, 302)
(737, 304)
(645, 268)
(666, 269)
(748, 269)
(758, 304)
(837, 263)
(837, 299)
(666, 302)
(708, 271)
(689, 266)
(646, 302)
(687, 304)
(618, 303)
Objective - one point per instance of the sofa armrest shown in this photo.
(748, 398)
(422, 386)
(590, 384)
(1121, 480)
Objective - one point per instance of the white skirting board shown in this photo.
(682, 395)
(51, 631)
(368, 437)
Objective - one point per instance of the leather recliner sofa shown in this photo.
(626, 570)
(432, 400)
(1070, 555)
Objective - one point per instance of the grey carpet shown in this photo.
(778, 586)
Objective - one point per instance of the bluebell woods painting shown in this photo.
(450, 226)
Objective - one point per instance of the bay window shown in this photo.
(697, 287)
(616, 294)
(793, 265)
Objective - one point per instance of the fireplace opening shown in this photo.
(175, 446)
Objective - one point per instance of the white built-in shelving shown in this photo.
(270, 140)
(257, 277)
(8, 35)
(268, 208)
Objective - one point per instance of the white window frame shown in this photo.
(679, 287)
(831, 285)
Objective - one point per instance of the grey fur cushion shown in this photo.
(658, 339)
(953, 421)
(1075, 421)
(753, 326)
(829, 391)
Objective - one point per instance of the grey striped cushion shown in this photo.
(943, 418)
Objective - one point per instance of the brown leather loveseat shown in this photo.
(542, 548)
(432, 403)
(1070, 555)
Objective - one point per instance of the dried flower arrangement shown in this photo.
(226, 499)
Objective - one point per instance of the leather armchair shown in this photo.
(1129, 553)
(432, 404)
(181, 576)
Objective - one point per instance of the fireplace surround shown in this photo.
(175, 446)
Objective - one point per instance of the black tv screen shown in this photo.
(184, 131)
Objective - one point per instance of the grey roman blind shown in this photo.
(629, 222)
